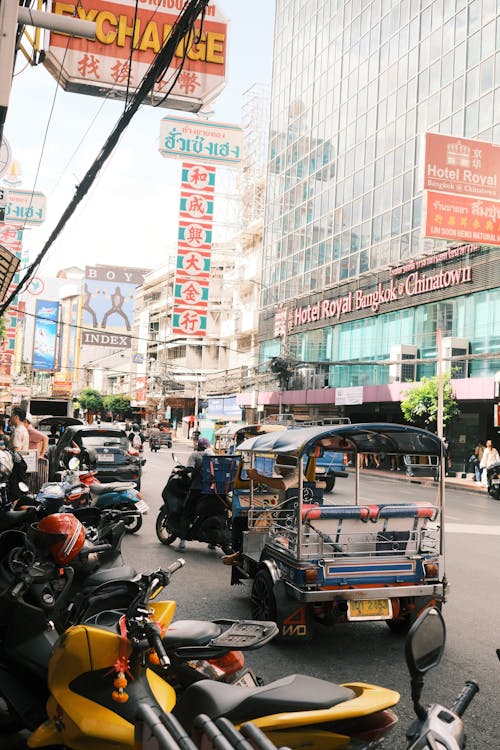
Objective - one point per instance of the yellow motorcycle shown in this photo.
(97, 681)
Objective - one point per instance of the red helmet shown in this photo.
(64, 534)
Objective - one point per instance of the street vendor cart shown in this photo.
(309, 559)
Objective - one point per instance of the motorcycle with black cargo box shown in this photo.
(209, 519)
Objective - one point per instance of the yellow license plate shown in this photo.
(369, 609)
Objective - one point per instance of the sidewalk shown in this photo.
(454, 483)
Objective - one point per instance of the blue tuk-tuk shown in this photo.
(311, 558)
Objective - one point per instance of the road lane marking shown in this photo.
(465, 528)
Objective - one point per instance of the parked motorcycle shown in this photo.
(99, 678)
(210, 514)
(493, 477)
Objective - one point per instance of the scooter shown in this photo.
(493, 476)
(154, 443)
(99, 678)
(210, 516)
(116, 495)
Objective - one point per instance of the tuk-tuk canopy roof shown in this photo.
(362, 438)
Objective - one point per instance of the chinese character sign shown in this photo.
(11, 238)
(454, 217)
(192, 276)
(108, 64)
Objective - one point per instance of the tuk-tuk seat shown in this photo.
(413, 510)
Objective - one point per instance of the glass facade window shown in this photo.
(355, 87)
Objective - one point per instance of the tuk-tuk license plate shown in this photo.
(369, 609)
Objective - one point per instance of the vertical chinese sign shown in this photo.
(11, 238)
(202, 146)
(192, 276)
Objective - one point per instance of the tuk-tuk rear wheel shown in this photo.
(402, 624)
(262, 599)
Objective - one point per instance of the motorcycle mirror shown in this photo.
(423, 650)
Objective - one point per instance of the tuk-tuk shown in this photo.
(315, 560)
(228, 438)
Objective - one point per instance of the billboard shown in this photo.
(108, 305)
(45, 335)
(128, 37)
(462, 166)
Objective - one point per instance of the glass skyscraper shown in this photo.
(356, 86)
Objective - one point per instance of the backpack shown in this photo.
(136, 441)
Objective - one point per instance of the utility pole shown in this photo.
(12, 15)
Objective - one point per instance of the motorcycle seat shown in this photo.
(189, 633)
(106, 575)
(102, 489)
(293, 693)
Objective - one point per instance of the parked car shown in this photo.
(329, 466)
(54, 427)
(115, 460)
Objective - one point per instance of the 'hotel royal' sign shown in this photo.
(407, 282)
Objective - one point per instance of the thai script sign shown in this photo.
(454, 217)
(108, 304)
(461, 166)
(211, 142)
(25, 206)
(192, 276)
(45, 334)
(128, 37)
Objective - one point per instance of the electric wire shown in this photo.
(181, 27)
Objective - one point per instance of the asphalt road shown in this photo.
(366, 652)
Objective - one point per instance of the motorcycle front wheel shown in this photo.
(132, 524)
(163, 533)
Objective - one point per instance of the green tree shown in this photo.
(283, 367)
(118, 405)
(420, 404)
(2, 328)
(90, 401)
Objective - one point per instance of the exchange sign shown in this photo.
(128, 37)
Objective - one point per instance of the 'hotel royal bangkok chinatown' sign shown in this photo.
(105, 67)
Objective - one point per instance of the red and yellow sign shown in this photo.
(127, 40)
(455, 217)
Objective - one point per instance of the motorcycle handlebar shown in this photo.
(464, 699)
(153, 635)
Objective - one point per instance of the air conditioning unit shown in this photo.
(403, 370)
(454, 347)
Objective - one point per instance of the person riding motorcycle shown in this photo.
(194, 461)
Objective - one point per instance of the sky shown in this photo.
(129, 217)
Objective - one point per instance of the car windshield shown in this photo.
(101, 439)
